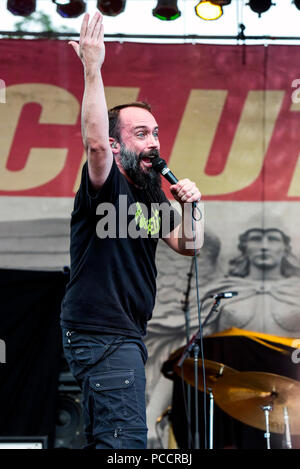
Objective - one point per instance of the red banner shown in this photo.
(229, 115)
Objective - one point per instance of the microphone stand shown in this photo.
(213, 309)
(211, 396)
(186, 311)
(193, 345)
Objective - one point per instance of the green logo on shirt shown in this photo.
(151, 225)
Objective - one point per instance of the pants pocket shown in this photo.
(115, 401)
(83, 355)
(83, 352)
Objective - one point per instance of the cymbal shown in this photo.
(214, 371)
(242, 396)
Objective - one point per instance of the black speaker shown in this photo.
(69, 433)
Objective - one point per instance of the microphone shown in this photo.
(226, 294)
(160, 166)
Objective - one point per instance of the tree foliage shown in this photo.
(40, 21)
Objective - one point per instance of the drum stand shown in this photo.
(288, 442)
(267, 409)
(211, 419)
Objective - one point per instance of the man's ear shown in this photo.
(115, 146)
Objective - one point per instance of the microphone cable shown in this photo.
(194, 219)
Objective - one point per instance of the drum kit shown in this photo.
(265, 401)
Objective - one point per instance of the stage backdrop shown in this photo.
(229, 120)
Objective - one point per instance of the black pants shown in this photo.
(111, 373)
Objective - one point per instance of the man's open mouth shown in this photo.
(147, 158)
(147, 161)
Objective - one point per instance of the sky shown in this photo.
(282, 19)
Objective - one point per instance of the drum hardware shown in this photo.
(287, 432)
(192, 348)
(267, 409)
(244, 395)
(265, 401)
(213, 372)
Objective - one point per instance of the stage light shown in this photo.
(208, 10)
(166, 10)
(70, 8)
(297, 4)
(21, 7)
(260, 6)
(111, 7)
(221, 2)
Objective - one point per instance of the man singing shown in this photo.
(111, 293)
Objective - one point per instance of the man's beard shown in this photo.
(148, 180)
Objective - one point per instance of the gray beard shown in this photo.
(149, 181)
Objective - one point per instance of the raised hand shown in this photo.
(91, 48)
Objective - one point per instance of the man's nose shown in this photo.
(152, 142)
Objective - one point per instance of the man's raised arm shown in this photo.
(94, 118)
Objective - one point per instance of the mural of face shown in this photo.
(265, 249)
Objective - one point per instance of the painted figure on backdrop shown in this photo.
(266, 277)
(167, 329)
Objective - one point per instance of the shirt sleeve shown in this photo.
(87, 198)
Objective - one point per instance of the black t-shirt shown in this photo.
(112, 285)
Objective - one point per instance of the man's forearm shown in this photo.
(95, 129)
(192, 230)
(94, 119)
(189, 235)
